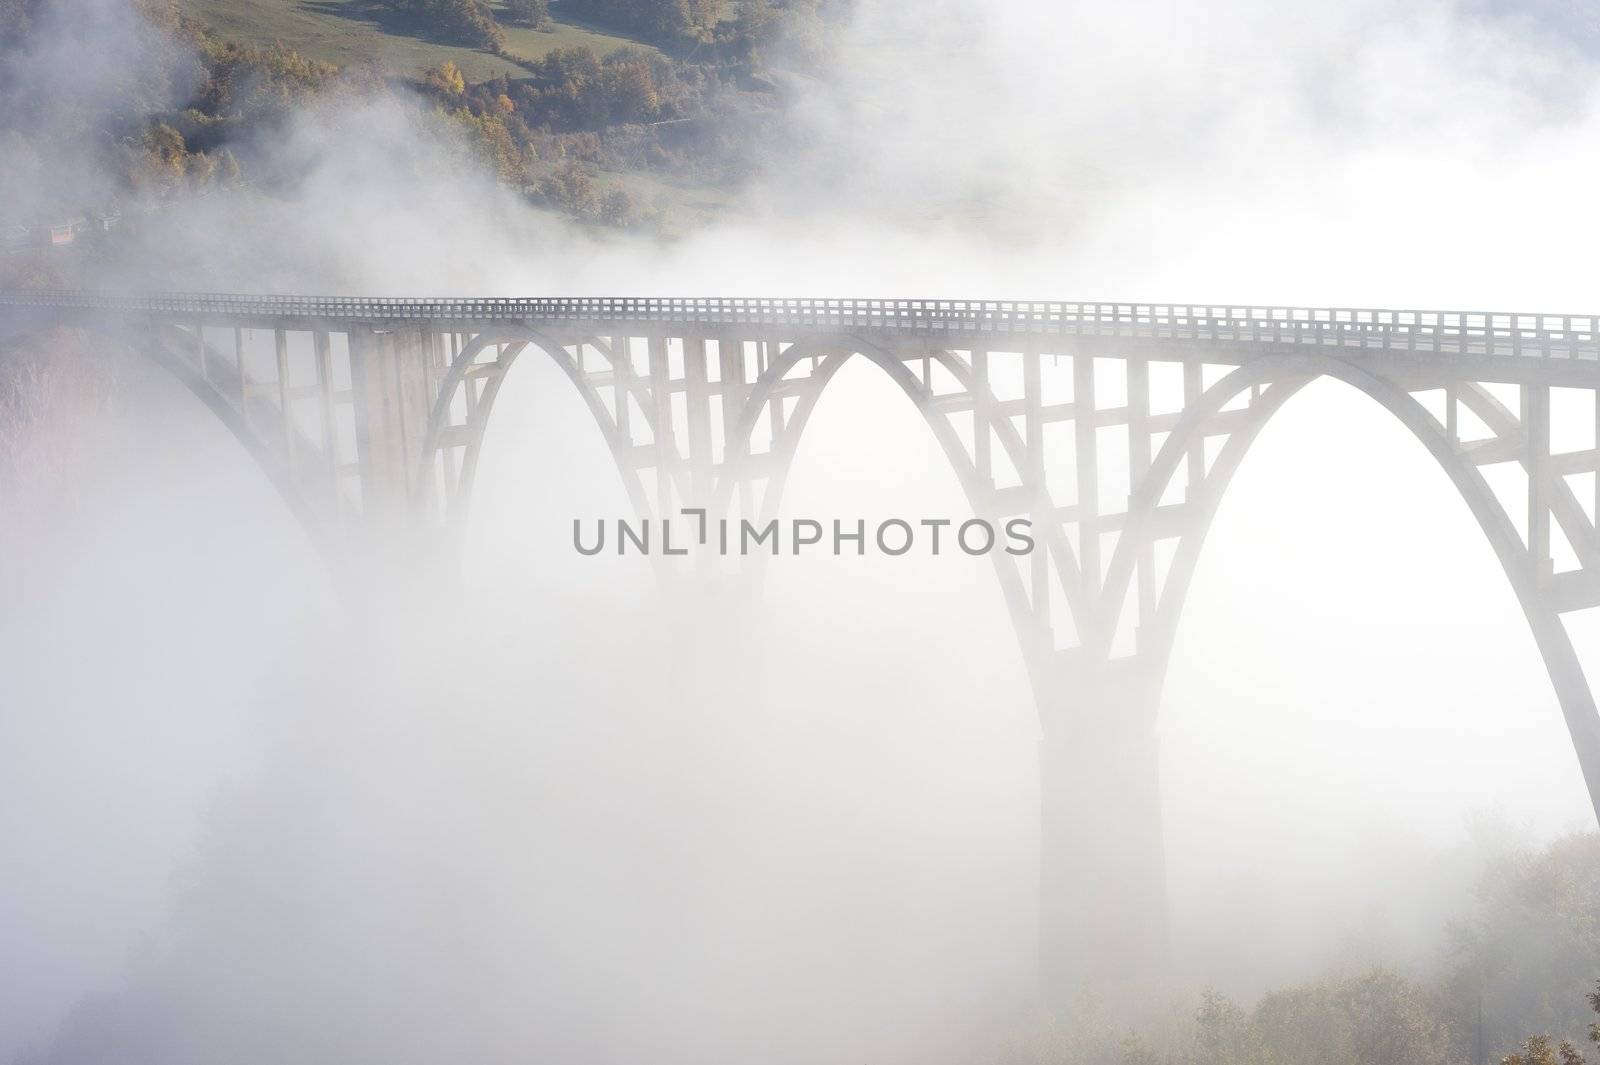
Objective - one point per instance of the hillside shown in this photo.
(653, 124)
(349, 32)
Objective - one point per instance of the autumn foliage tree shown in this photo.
(575, 89)
(459, 21)
(446, 78)
(665, 21)
(535, 13)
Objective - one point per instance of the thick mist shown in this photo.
(539, 813)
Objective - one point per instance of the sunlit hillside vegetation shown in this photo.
(624, 114)
(1515, 984)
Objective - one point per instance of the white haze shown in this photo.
(544, 820)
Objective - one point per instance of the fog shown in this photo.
(538, 812)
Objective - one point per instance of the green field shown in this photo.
(355, 31)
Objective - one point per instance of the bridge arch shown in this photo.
(161, 346)
(834, 351)
(1277, 379)
(510, 342)
(1282, 377)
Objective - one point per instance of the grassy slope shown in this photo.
(355, 31)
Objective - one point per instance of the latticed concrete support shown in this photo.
(1114, 428)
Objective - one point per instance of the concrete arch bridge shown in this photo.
(1114, 427)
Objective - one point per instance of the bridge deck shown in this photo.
(1481, 333)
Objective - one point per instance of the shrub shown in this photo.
(535, 13)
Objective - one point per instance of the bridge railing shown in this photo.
(1552, 335)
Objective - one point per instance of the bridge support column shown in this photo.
(1103, 918)
(389, 379)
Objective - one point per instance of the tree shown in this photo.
(535, 13)
(1223, 1033)
(574, 89)
(572, 189)
(666, 21)
(1536, 932)
(570, 86)
(1537, 1050)
(200, 169)
(458, 21)
(630, 86)
(796, 33)
(487, 136)
(446, 78)
(617, 207)
(754, 28)
(243, 78)
(161, 159)
(1373, 1018)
